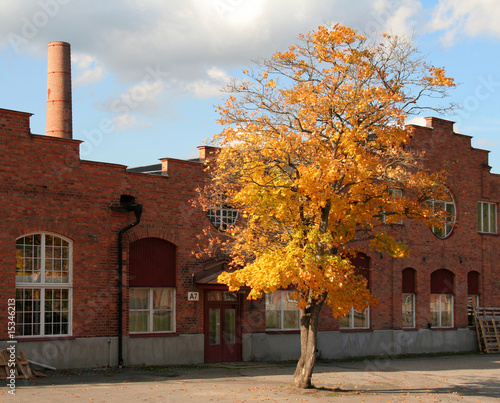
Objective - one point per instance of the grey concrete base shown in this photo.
(335, 344)
(270, 347)
(184, 349)
(189, 348)
(95, 352)
(77, 353)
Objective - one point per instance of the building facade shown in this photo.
(101, 261)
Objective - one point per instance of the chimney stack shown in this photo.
(59, 106)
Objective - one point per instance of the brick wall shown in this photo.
(44, 186)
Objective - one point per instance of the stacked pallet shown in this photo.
(488, 328)
(18, 365)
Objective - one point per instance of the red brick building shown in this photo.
(100, 261)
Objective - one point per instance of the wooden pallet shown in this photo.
(488, 329)
(22, 368)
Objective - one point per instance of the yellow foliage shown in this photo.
(309, 158)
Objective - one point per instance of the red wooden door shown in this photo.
(222, 331)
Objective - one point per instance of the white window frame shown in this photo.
(491, 210)
(42, 285)
(449, 222)
(412, 310)
(440, 311)
(350, 318)
(151, 309)
(281, 310)
(222, 217)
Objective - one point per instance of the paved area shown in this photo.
(465, 378)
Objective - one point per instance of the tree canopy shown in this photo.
(315, 157)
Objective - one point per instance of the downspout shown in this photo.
(137, 209)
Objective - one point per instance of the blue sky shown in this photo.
(147, 74)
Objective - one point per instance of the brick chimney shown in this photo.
(59, 107)
(207, 152)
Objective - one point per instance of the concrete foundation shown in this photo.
(335, 344)
(184, 349)
(76, 353)
(103, 351)
(189, 348)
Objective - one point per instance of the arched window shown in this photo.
(43, 285)
(358, 319)
(152, 286)
(442, 298)
(408, 294)
(472, 296)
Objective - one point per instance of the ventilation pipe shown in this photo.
(59, 106)
(127, 204)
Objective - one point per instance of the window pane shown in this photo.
(139, 298)
(435, 319)
(408, 319)
(345, 321)
(446, 319)
(450, 209)
(448, 206)
(273, 319)
(408, 310)
(446, 302)
(214, 296)
(163, 298)
(28, 312)
(56, 260)
(56, 319)
(139, 321)
(163, 321)
(435, 302)
(281, 311)
(230, 326)
(485, 218)
(291, 319)
(288, 301)
(273, 300)
(28, 259)
(214, 326)
(360, 319)
(230, 296)
(493, 218)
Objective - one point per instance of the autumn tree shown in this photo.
(314, 142)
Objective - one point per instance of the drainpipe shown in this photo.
(137, 209)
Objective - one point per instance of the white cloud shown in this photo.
(186, 37)
(89, 70)
(470, 18)
(192, 44)
(127, 121)
(211, 87)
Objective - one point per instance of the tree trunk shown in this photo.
(308, 342)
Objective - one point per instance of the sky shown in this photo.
(147, 75)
